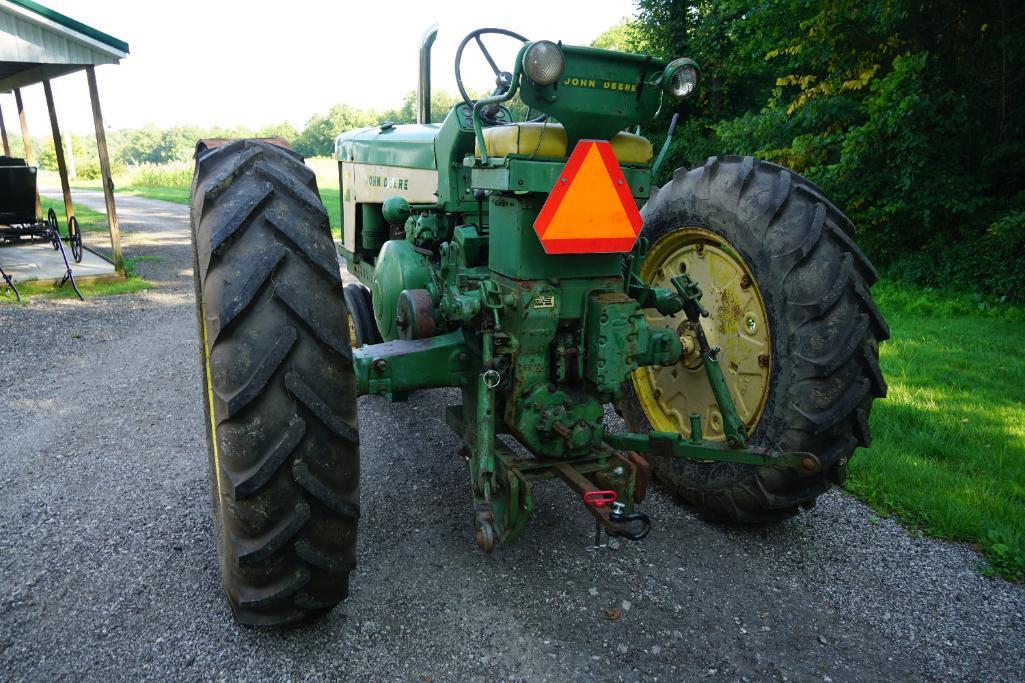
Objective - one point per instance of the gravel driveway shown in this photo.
(108, 569)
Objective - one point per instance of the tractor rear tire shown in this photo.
(278, 384)
(824, 331)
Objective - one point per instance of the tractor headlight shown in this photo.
(543, 62)
(681, 78)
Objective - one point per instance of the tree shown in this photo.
(318, 137)
(623, 37)
(280, 130)
(910, 115)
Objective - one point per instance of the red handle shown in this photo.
(600, 499)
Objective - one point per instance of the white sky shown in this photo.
(257, 63)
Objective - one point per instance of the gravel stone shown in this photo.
(108, 569)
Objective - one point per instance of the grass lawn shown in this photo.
(948, 456)
(178, 195)
(88, 220)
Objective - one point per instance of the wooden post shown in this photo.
(69, 152)
(58, 148)
(3, 135)
(108, 182)
(27, 142)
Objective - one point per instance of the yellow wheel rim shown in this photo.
(737, 324)
(352, 332)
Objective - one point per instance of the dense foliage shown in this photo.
(909, 114)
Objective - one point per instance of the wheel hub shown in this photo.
(737, 324)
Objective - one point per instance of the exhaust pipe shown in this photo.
(423, 88)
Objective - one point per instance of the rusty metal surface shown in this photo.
(207, 144)
(643, 469)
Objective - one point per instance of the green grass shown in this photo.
(330, 197)
(109, 287)
(178, 195)
(948, 455)
(47, 290)
(88, 220)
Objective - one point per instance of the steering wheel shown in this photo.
(503, 79)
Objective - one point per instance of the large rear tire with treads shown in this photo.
(791, 309)
(278, 384)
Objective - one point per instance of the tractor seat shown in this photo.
(549, 140)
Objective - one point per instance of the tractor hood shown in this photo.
(409, 146)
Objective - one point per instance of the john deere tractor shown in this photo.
(728, 321)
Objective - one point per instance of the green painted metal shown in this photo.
(515, 174)
(665, 145)
(619, 341)
(538, 344)
(395, 210)
(73, 24)
(399, 266)
(396, 368)
(408, 145)
(516, 252)
(674, 445)
(600, 93)
(375, 228)
(453, 144)
(690, 296)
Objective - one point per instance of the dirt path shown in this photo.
(107, 569)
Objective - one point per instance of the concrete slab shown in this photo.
(39, 261)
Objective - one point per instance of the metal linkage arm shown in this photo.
(398, 367)
(690, 295)
(674, 445)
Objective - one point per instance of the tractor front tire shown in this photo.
(362, 325)
(278, 384)
(756, 224)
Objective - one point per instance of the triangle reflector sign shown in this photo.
(590, 209)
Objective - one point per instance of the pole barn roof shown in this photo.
(37, 44)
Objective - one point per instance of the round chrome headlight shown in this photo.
(681, 78)
(543, 62)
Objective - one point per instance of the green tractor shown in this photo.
(728, 322)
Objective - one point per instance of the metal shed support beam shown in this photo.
(3, 135)
(108, 182)
(58, 148)
(27, 142)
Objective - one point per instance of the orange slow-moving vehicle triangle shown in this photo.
(590, 209)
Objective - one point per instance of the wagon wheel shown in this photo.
(75, 239)
(51, 222)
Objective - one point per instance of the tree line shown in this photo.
(910, 115)
(153, 145)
